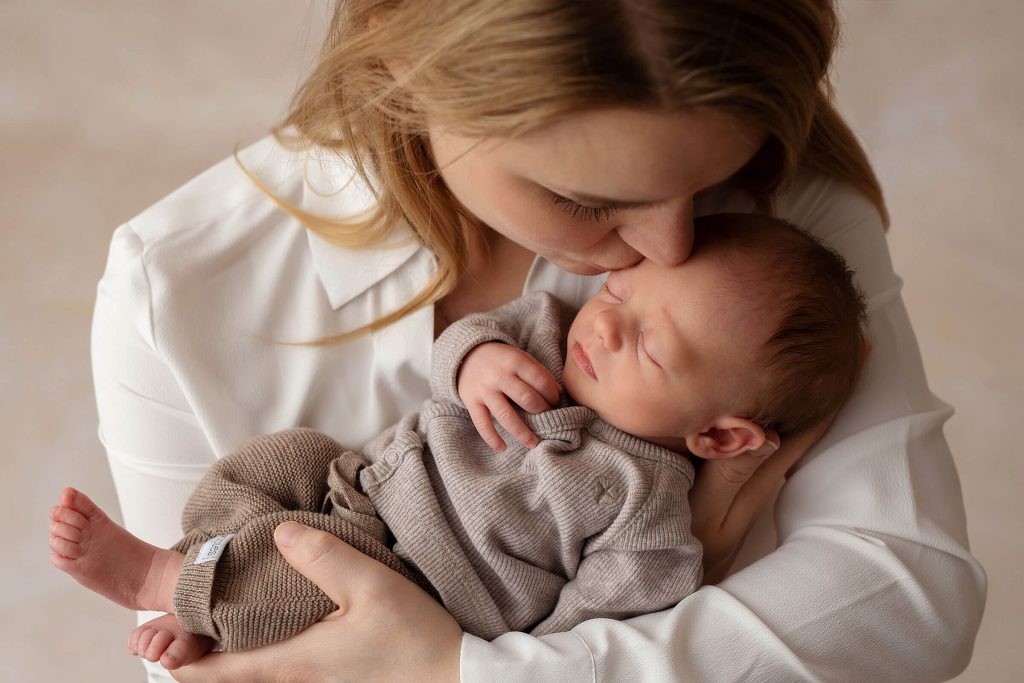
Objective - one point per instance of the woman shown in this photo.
(465, 152)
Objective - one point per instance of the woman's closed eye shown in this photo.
(581, 212)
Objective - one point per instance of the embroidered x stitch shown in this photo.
(608, 492)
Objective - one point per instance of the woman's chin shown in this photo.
(578, 267)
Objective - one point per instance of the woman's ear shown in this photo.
(726, 437)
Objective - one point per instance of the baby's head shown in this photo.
(760, 329)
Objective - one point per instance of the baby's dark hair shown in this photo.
(815, 352)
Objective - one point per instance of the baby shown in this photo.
(585, 517)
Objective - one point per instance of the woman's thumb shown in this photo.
(319, 556)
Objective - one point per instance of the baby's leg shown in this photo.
(164, 640)
(107, 559)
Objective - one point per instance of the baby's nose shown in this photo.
(608, 330)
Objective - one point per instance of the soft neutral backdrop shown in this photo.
(107, 106)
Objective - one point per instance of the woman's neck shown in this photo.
(495, 273)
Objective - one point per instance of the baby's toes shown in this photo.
(76, 500)
(69, 516)
(66, 531)
(157, 646)
(133, 639)
(146, 634)
(184, 650)
(63, 546)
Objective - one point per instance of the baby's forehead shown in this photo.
(737, 295)
(737, 273)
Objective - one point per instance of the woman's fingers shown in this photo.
(717, 489)
(341, 571)
(387, 627)
(264, 664)
(723, 505)
(729, 494)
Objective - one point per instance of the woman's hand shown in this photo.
(386, 628)
(729, 493)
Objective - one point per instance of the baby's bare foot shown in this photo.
(163, 639)
(107, 559)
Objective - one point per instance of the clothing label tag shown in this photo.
(212, 549)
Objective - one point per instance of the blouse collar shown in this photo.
(332, 188)
(347, 273)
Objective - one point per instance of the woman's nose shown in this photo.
(608, 330)
(664, 234)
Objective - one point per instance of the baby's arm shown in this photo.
(470, 370)
(493, 374)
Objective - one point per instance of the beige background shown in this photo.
(106, 106)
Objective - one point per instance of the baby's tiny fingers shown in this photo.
(525, 396)
(538, 377)
(508, 418)
(481, 417)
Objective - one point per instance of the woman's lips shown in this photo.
(579, 355)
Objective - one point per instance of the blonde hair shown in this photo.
(498, 68)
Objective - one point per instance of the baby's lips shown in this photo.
(581, 358)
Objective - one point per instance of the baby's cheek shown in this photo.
(633, 411)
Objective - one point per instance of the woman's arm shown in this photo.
(155, 447)
(872, 580)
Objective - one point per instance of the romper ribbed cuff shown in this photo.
(193, 594)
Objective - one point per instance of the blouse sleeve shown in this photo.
(155, 447)
(872, 578)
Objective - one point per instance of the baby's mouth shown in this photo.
(580, 357)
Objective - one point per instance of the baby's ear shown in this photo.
(726, 437)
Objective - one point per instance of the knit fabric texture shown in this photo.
(250, 596)
(592, 522)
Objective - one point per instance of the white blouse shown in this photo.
(862, 573)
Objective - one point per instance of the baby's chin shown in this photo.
(574, 385)
(579, 396)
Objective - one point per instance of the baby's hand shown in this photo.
(494, 373)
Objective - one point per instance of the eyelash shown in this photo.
(641, 347)
(580, 212)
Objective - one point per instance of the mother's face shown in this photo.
(599, 190)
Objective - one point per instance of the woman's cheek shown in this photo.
(535, 224)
